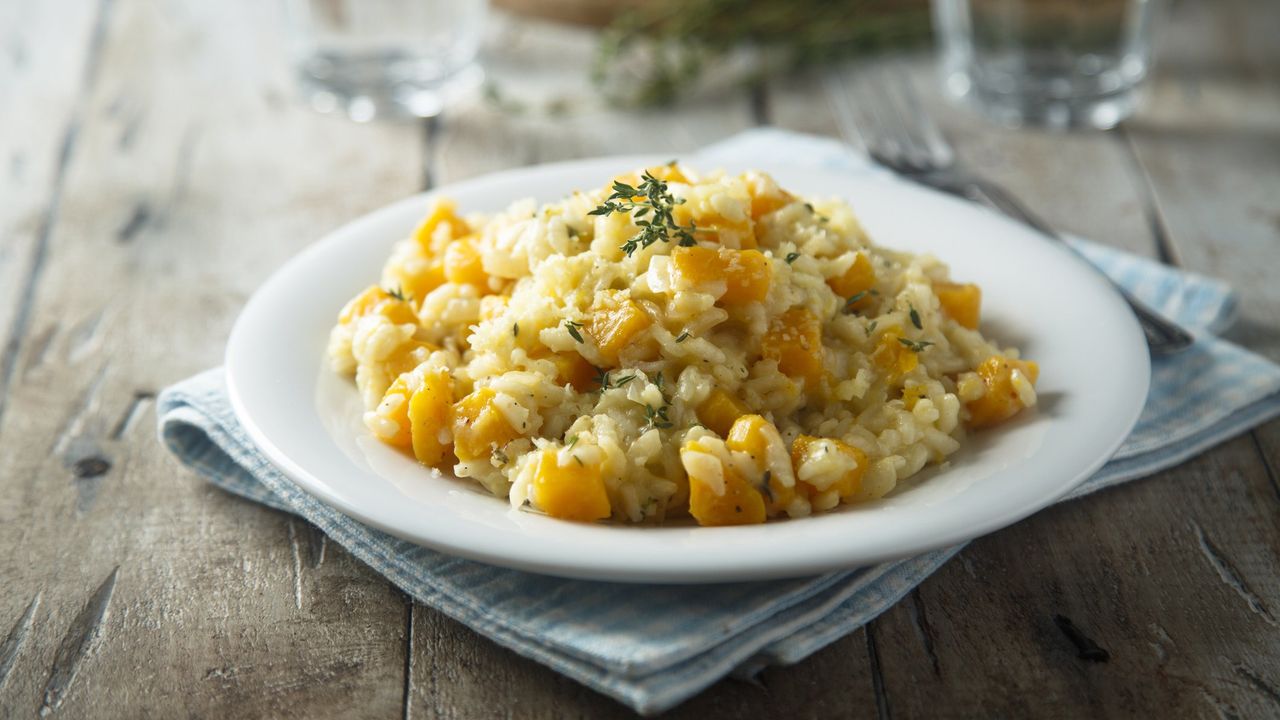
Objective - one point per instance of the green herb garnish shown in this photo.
(651, 213)
(624, 380)
(656, 418)
(574, 329)
(398, 294)
(853, 300)
(915, 345)
(915, 317)
(872, 327)
(515, 329)
(573, 440)
(791, 257)
(682, 336)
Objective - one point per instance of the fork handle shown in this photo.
(1163, 336)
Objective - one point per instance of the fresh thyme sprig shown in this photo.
(574, 329)
(915, 345)
(853, 300)
(652, 213)
(656, 418)
(791, 257)
(398, 293)
(915, 317)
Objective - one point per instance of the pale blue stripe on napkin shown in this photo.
(653, 646)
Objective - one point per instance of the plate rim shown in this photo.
(821, 562)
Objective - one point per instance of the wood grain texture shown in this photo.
(220, 607)
(159, 168)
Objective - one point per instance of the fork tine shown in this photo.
(935, 143)
(904, 125)
(885, 133)
(837, 93)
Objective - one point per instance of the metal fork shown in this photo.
(898, 134)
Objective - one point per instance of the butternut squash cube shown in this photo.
(808, 449)
(462, 264)
(794, 339)
(1002, 399)
(757, 437)
(394, 410)
(424, 278)
(614, 323)
(444, 211)
(574, 370)
(374, 299)
(746, 273)
(766, 196)
(893, 358)
(430, 409)
(479, 426)
(669, 173)
(571, 491)
(718, 495)
(961, 302)
(860, 278)
(720, 411)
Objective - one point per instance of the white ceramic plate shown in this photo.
(1094, 377)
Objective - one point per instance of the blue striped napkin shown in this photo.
(652, 647)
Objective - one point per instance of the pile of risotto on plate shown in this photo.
(673, 344)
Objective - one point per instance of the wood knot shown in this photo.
(1086, 648)
(91, 467)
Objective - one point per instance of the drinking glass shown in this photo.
(1055, 63)
(374, 58)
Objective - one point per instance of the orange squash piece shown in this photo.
(613, 323)
(374, 299)
(424, 279)
(848, 484)
(720, 411)
(859, 278)
(740, 503)
(430, 409)
(463, 265)
(573, 369)
(752, 434)
(571, 491)
(961, 302)
(479, 426)
(1001, 401)
(794, 339)
(746, 273)
(444, 211)
(398, 394)
(766, 196)
(893, 358)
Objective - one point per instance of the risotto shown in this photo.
(673, 344)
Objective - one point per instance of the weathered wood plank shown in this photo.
(192, 176)
(46, 57)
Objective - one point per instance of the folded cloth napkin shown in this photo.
(652, 647)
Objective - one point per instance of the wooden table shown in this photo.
(155, 166)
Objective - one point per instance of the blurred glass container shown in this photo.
(1053, 63)
(386, 58)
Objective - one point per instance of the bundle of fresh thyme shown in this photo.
(658, 51)
(650, 205)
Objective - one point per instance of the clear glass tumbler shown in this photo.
(1054, 63)
(376, 58)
